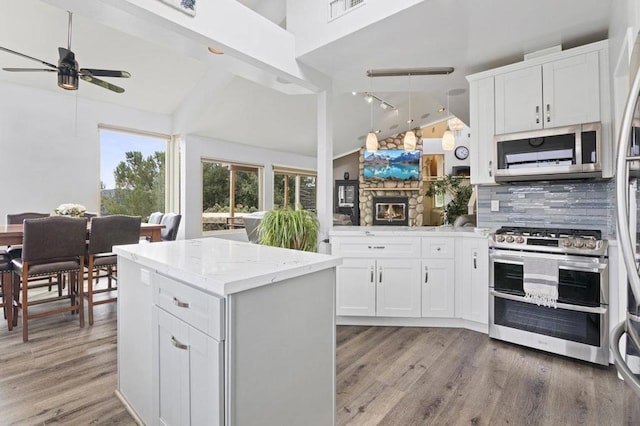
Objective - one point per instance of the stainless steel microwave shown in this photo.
(567, 152)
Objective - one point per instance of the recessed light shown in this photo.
(354, 93)
(409, 121)
(368, 98)
(377, 131)
(384, 105)
(215, 51)
(441, 109)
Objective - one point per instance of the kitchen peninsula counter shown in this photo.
(214, 332)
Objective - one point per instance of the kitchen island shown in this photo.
(214, 332)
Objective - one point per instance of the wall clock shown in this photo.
(461, 152)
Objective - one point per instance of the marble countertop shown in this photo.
(416, 231)
(225, 267)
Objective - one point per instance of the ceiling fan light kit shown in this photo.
(68, 70)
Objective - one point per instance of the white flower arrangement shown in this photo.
(70, 210)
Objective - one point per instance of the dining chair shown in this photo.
(106, 232)
(171, 222)
(15, 251)
(50, 246)
(17, 219)
(155, 217)
(6, 267)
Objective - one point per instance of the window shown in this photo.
(132, 172)
(294, 186)
(340, 7)
(229, 191)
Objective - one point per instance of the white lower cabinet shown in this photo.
(473, 280)
(413, 279)
(398, 288)
(188, 365)
(189, 368)
(383, 287)
(438, 288)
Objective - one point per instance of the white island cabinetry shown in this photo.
(221, 332)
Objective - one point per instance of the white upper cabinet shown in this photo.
(481, 115)
(557, 93)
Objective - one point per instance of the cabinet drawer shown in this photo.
(438, 248)
(199, 309)
(386, 247)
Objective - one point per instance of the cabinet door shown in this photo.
(398, 292)
(571, 90)
(518, 100)
(356, 287)
(190, 386)
(473, 280)
(482, 118)
(438, 288)
(173, 370)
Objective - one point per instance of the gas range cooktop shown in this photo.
(554, 240)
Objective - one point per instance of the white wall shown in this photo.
(434, 146)
(46, 157)
(195, 148)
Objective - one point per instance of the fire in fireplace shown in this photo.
(391, 211)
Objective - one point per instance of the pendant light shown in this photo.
(372, 139)
(448, 139)
(409, 136)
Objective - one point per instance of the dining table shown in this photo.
(13, 234)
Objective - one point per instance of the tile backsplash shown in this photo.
(561, 204)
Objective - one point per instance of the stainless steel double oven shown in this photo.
(578, 326)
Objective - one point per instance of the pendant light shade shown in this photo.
(409, 141)
(372, 142)
(448, 140)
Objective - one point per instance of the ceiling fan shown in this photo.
(68, 71)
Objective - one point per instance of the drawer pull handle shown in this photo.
(178, 345)
(371, 275)
(475, 260)
(180, 304)
(380, 280)
(548, 113)
(426, 274)
(537, 114)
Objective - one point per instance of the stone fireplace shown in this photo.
(391, 211)
(412, 191)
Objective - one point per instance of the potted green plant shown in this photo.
(288, 228)
(457, 189)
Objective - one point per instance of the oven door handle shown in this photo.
(586, 309)
(518, 259)
(583, 267)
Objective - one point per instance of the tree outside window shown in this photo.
(132, 174)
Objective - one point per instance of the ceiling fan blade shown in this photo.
(29, 69)
(101, 83)
(104, 73)
(28, 57)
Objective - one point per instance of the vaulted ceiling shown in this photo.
(222, 97)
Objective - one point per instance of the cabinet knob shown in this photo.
(179, 303)
(178, 345)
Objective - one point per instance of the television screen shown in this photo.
(392, 164)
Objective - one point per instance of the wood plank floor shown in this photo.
(385, 376)
(437, 376)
